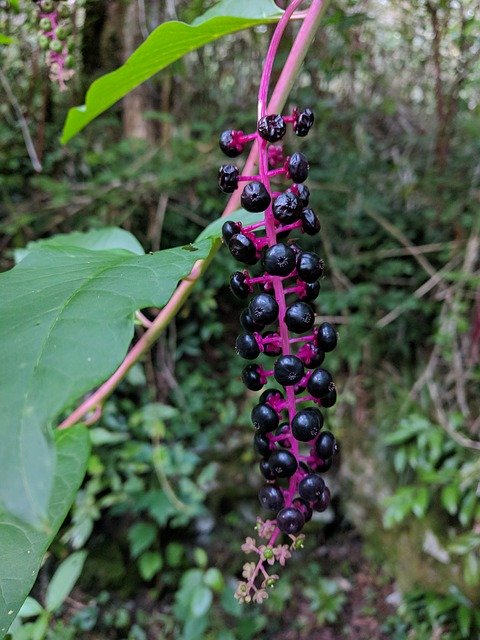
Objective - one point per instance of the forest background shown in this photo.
(395, 177)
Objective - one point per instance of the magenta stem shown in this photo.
(276, 172)
(247, 178)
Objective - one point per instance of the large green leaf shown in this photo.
(167, 43)
(66, 320)
(22, 547)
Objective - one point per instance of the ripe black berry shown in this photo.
(261, 444)
(243, 249)
(287, 208)
(270, 393)
(312, 290)
(310, 222)
(311, 487)
(279, 260)
(229, 229)
(330, 399)
(266, 470)
(290, 520)
(237, 284)
(282, 463)
(263, 309)
(309, 266)
(246, 346)
(228, 178)
(284, 428)
(264, 418)
(248, 323)
(298, 167)
(314, 358)
(326, 337)
(306, 424)
(229, 144)
(272, 128)
(323, 502)
(326, 445)
(299, 317)
(302, 192)
(304, 508)
(288, 370)
(255, 197)
(270, 348)
(271, 498)
(303, 122)
(322, 466)
(320, 383)
(252, 378)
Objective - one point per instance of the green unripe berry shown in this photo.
(268, 553)
(270, 582)
(70, 62)
(64, 11)
(43, 41)
(45, 24)
(56, 45)
(62, 33)
(47, 5)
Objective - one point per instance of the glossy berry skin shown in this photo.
(283, 464)
(311, 487)
(229, 229)
(298, 167)
(251, 377)
(309, 267)
(299, 317)
(279, 260)
(302, 192)
(270, 393)
(324, 501)
(287, 208)
(229, 143)
(306, 424)
(330, 399)
(326, 445)
(264, 418)
(246, 346)
(263, 309)
(326, 337)
(261, 444)
(303, 122)
(288, 370)
(270, 348)
(290, 520)
(243, 249)
(255, 197)
(304, 508)
(238, 287)
(248, 322)
(310, 222)
(314, 358)
(320, 383)
(266, 470)
(272, 128)
(271, 498)
(312, 291)
(228, 178)
(322, 466)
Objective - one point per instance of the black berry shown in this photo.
(290, 520)
(313, 358)
(271, 498)
(306, 424)
(282, 463)
(242, 248)
(255, 197)
(302, 192)
(228, 178)
(326, 445)
(251, 377)
(326, 337)
(330, 399)
(309, 266)
(311, 487)
(229, 143)
(299, 317)
(287, 208)
(310, 222)
(288, 370)
(248, 322)
(261, 444)
(312, 290)
(237, 284)
(272, 128)
(266, 470)
(320, 383)
(279, 260)
(303, 122)
(229, 229)
(298, 167)
(270, 393)
(304, 508)
(264, 418)
(263, 309)
(246, 346)
(323, 502)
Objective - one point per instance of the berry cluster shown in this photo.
(279, 323)
(55, 37)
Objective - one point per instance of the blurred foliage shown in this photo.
(395, 180)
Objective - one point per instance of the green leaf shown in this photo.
(64, 580)
(464, 619)
(214, 229)
(450, 498)
(22, 546)
(66, 320)
(201, 601)
(149, 564)
(30, 608)
(141, 535)
(5, 39)
(167, 43)
(96, 240)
